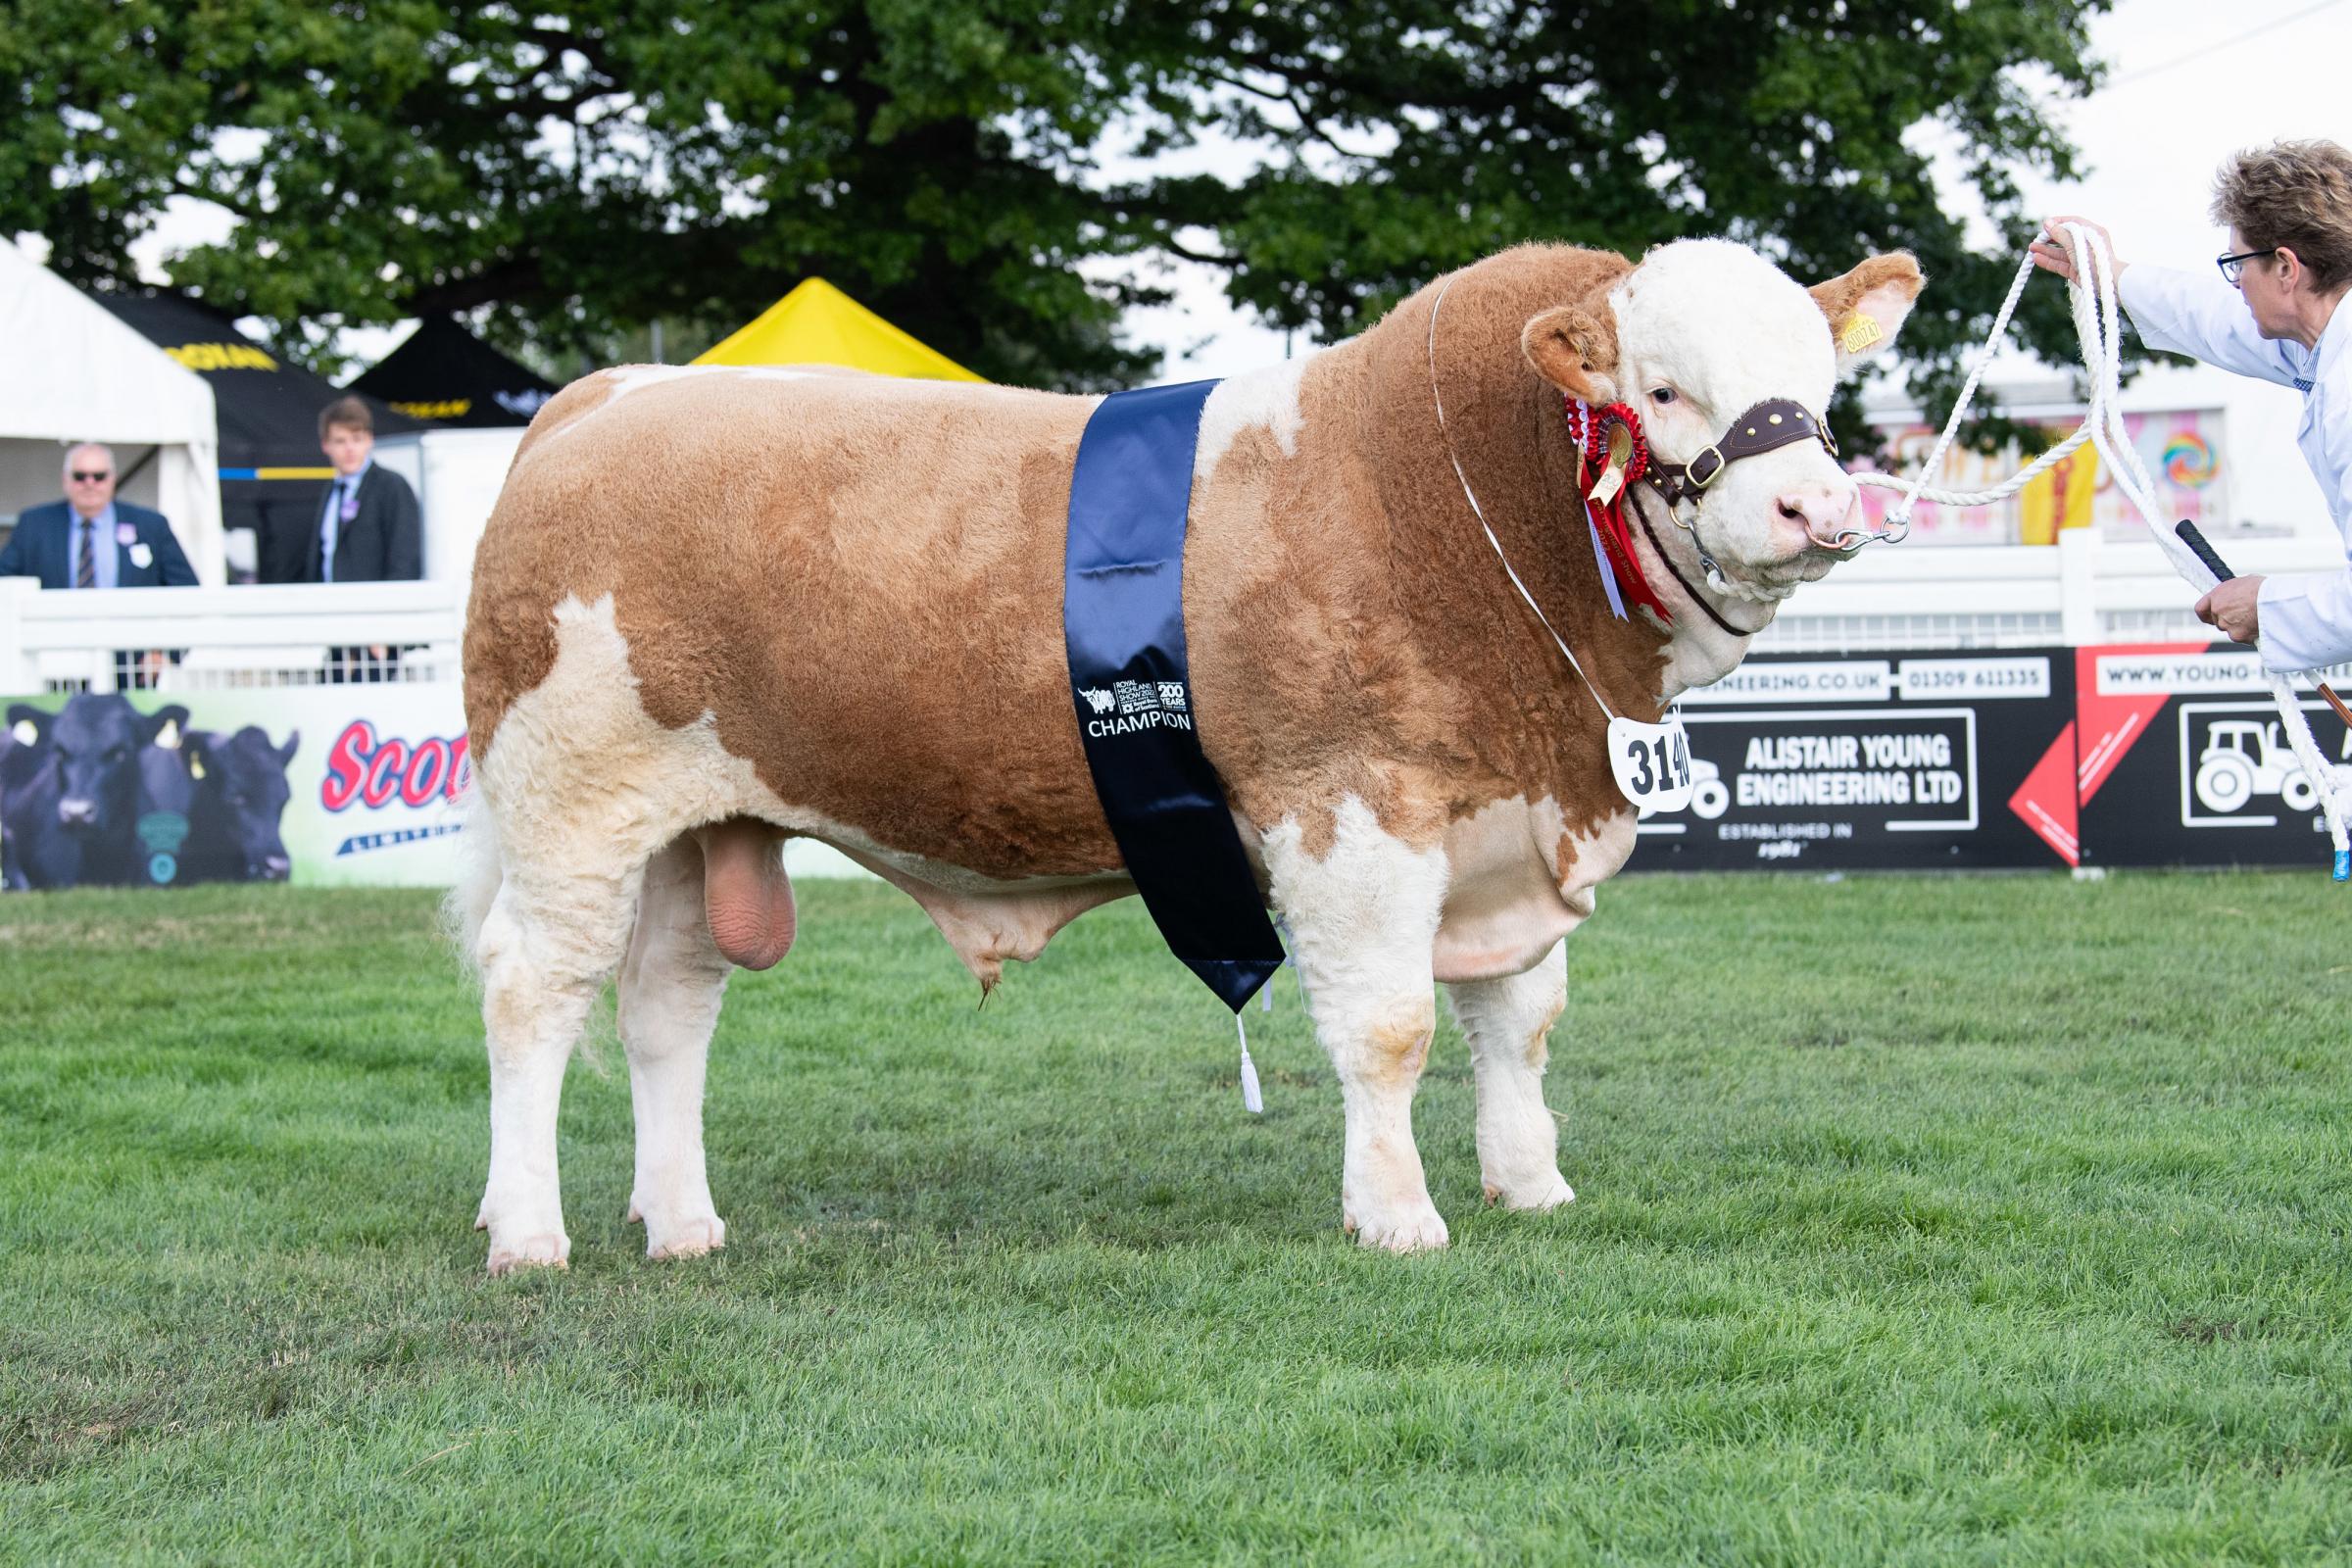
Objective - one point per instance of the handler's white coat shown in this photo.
(2306, 616)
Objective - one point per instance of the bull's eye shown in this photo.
(1662, 396)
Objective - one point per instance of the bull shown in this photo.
(717, 608)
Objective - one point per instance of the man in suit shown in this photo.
(91, 540)
(367, 528)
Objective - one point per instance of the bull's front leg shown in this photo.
(1363, 917)
(1508, 1023)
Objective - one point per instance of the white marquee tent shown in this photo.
(76, 374)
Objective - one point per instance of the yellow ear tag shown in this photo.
(1612, 472)
(1858, 332)
(169, 736)
(27, 732)
(195, 766)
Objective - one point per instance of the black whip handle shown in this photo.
(2203, 550)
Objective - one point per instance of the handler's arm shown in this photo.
(2306, 616)
(2202, 316)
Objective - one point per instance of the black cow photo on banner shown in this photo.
(100, 792)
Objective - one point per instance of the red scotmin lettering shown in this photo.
(372, 772)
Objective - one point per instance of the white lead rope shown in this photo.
(2099, 324)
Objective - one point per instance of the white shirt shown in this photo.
(2306, 617)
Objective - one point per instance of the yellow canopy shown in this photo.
(818, 324)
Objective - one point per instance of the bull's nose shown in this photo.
(76, 813)
(1823, 512)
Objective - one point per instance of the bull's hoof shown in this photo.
(1549, 1191)
(694, 1237)
(533, 1251)
(1406, 1229)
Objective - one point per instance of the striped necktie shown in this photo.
(86, 556)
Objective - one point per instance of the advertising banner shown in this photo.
(319, 786)
(2183, 761)
(1897, 761)
(2130, 754)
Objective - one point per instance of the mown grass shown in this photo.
(1920, 1221)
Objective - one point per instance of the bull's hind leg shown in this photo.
(1364, 918)
(545, 947)
(672, 984)
(1509, 1023)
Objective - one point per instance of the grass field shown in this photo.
(1919, 1221)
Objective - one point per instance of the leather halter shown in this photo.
(1770, 426)
(1682, 582)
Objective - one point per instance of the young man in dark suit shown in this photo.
(91, 540)
(367, 529)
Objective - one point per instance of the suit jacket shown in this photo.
(43, 547)
(383, 543)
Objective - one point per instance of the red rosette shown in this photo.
(1593, 429)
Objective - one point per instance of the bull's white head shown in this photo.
(1704, 330)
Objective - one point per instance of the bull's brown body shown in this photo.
(713, 609)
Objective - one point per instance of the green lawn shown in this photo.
(1920, 1221)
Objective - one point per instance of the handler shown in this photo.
(2288, 208)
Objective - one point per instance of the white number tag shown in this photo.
(1651, 762)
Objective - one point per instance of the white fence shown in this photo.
(2083, 590)
(225, 637)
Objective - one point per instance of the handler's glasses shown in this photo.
(80, 477)
(2232, 266)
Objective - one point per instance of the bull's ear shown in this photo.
(165, 726)
(285, 753)
(28, 723)
(1574, 352)
(1867, 306)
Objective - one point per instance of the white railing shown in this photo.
(246, 636)
(2084, 590)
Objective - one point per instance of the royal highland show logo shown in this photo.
(1127, 705)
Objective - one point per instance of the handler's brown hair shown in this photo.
(2292, 195)
(350, 412)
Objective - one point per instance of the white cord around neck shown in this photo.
(1479, 512)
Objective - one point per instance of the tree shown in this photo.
(1416, 135)
(581, 165)
(576, 168)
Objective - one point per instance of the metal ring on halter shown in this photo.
(1849, 541)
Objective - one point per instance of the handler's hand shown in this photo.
(2051, 253)
(2232, 608)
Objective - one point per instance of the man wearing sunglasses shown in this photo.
(2271, 313)
(91, 540)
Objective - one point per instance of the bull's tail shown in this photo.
(480, 873)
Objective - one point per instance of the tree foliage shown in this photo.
(577, 168)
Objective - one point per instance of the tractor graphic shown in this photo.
(2248, 757)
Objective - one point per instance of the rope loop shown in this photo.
(2099, 329)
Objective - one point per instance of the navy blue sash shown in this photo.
(1123, 619)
